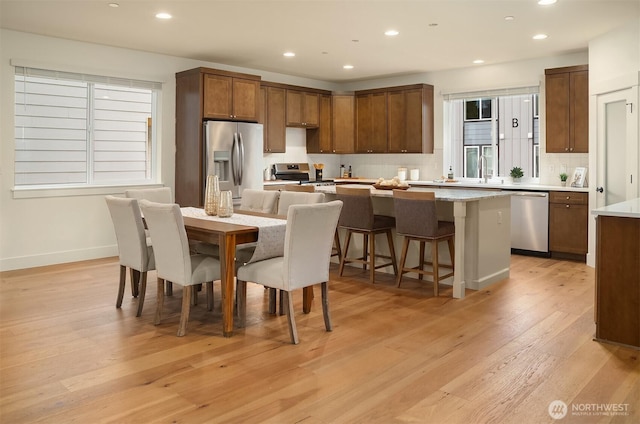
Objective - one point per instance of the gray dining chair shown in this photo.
(134, 247)
(307, 252)
(174, 262)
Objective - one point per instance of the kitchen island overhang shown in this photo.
(482, 220)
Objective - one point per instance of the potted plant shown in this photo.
(516, 173)
(563, 178)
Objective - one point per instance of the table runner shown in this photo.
(271, 232)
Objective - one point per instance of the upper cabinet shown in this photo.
(273, 100)
(567, 109)
(303, 109)
(231, 97)
(319, 139)
(395, 119)
(410, 119)
(343, 123)
(371, 123)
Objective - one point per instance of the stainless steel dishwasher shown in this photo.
(530, 223)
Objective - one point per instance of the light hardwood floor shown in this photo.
(501, 355)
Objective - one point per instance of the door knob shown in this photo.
(600, 189)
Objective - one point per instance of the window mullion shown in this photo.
(90, 132)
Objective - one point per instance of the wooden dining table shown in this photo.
(227, 236)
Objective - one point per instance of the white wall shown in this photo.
(41, 230)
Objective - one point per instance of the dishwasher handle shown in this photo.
(522, 194)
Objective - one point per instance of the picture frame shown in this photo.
(579, 177)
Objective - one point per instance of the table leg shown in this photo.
(227, 249)
(459, 214)
(307, 299)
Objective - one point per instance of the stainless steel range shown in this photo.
(299, 172)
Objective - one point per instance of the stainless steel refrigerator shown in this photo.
(233, 152)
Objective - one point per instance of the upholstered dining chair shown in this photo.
(134, 248)
(288, 198)
(159, 195)
(265, 201)
(357, 217)
(174, 262)
(417, 220)
(307, 251)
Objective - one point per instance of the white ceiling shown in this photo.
(255, 34)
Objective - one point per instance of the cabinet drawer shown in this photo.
(568, 197)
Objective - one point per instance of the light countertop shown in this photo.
(627, 209)
(444, 194)
(473, 183)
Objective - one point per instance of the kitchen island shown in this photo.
(483, 232)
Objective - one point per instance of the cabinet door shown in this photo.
(579, 113)
(568, 226)
(319, 139)
(311, 110)
(395, 118)
(343, 123)
(275, 128)
(371, 123)
(218, 100)
(245, 99)
(414, 125)
(294, 108)
(557, 107)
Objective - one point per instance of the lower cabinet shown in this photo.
(617, 309)
(568, 223)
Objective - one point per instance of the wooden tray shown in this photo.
(389, 187)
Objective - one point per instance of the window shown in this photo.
(83, 130)
(500, 125)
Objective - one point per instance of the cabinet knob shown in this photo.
(567, 206)
(571, 149)
(566, 149)
(568, 197)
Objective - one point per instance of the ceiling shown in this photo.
(325, 35)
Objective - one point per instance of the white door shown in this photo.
(617, 155)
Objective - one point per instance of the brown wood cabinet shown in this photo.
(302, 109)
(371, 123)
(343, 123)
(319, 139)
(567, 109)
(231, 98)
(274, 122)
(197, 91)
(410, 119)
(618, 280)
(568, 223)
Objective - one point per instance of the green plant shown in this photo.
(516, 172)
(563, 177)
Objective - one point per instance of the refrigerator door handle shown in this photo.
(235, 159)
(241, 161)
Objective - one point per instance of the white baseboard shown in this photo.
(53, 258)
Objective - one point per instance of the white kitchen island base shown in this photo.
(483, 233)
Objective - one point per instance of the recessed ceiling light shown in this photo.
(540, 36)
(163, 15)
(433, 24)
(391, 33)
(546, 2)
(289, 54)
(478, 61)
(347, 67)
(509, 18)
(114, 5)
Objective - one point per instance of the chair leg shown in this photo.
(169, 288)
(344, 252)
(135, 279)
(392, 252)
(281, 300)
(325, 306)
(307, 299)
(159, 301)
(452, 251)
(434, 260)
(186, 308)
(290, 318)
(336, 242)
(365, 250)
(210, 296)
(272, 300)
(241, 299)
(194, 294)
(372, 257)
(403, 260)
(123, 277)
(142, 292)
(421, 258)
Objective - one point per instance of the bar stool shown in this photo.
(416, 220)
(357, 217)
